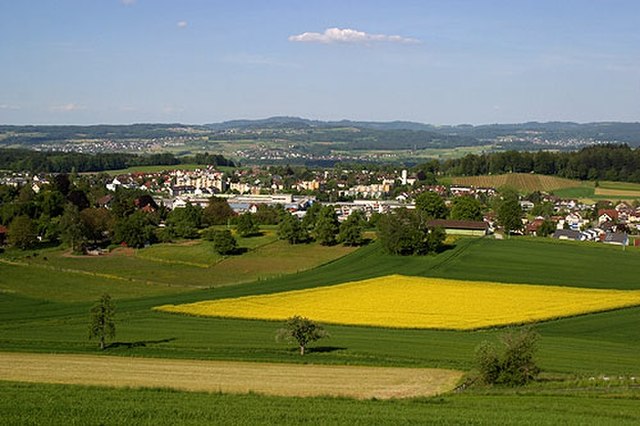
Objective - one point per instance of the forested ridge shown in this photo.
(616, 162)
(65, 162)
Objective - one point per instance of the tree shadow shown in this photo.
(240, 250)
(445, 247)
(325, 349)
(138, 344)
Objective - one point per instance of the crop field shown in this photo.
(415, 302)
(524, 182)
(228, 376)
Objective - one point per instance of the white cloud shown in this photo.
(70, 107)
(347, 35)
(9, 107)
(127, 2)
(182, 24)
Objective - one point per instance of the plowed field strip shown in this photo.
(224, 376)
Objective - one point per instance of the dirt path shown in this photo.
(227, 376)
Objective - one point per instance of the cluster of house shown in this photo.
(611, 225)
(18, 180)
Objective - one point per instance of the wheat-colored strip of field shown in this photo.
(617, 192)
(228, 376)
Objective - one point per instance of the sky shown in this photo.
(206, 61)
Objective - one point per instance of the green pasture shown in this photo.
(154, 169)
(580, 192)
(158, 269)
(45, 404)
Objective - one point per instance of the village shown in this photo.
(369, 192)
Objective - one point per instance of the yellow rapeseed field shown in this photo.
(416, 302)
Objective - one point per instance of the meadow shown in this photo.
(48, 404)
(33, 318)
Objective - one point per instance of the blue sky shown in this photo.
(439, 62)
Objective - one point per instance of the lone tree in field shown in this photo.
(302, 331)
(224, 242)
(102, 325)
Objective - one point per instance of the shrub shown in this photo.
(513, 364)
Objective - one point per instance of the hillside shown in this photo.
(523, 182)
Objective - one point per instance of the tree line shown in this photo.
(66, 162)
(617, 162)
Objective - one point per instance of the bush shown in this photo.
(224, 243)
(514, 363)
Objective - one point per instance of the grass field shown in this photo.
(34, 318)
(159, 269)
(47, 404)
(154, 169)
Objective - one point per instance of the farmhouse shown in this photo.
(461, 227)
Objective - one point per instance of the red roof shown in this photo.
(458, 224)
(612, 213)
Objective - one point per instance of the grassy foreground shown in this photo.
(65, 404)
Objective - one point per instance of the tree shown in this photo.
(98, 223)
(269, 215)
(185, 221)
(73, 230)
(547, 228)
(218, 212)
(431, 205)
(466, 208)
(311, 215)
(291, 229)
(246, 225)
(326, 228)
(404, 232)
(513, 364)
(509, 212)
(135, 230)
(22, 233)
(224, 243)
(102, 325)
(302, 331)
(351, 229)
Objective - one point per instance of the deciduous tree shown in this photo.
(224, 243)
(102, 324)
(22, 232)
(466, 208)
(351, 229)
(246, 225)
(291, 229)
(302, 331)
(431, 205)
(511, 364)
(327, 226)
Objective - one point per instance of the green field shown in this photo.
(60, 404)
(35, 318)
